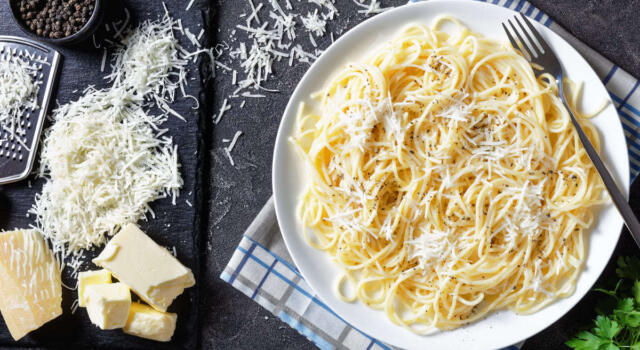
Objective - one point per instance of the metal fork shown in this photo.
(542, 55)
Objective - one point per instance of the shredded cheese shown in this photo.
(314, 24)
(228, 149)
(104, 161)
(189, 5)
(272, 37)
(151, 64)
(372, 8)
(225, 107)
(105, 158)
(18, 93)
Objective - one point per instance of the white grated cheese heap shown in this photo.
(18, 93)
(104, 161)
(106, 158)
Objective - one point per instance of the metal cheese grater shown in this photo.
(18, 150)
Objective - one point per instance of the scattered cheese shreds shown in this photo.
(228, 149)
(18, 92)
(274, 39)
(189, 5)
(192, 38)
(234, 140)
(228, 154)
(314, 24)
(225, 107)
(151, 64)
(104, 60)
(371, 9)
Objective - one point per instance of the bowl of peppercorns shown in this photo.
(61, 22)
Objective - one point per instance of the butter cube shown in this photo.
(87, 278)
(108, 304)
(155, 275)
(146, 322)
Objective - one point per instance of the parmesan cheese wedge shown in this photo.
(151, 272)
(30, 286)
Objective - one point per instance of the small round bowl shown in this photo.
(76, 38)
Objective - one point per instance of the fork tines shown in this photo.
(524, 42)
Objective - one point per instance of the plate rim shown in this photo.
(290, 108)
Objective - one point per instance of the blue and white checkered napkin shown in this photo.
(262, 268)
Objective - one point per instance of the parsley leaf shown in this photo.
(585, 341)
(606, 328)
(629, 267)
(635, 290)
(626, 313)
(617, 325)
(625, 305)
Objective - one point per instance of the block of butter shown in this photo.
(108, 304)
(87, 278)
(147, 322)
(30, 285)
(155, 275)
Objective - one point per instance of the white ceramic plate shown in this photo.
(501, 328)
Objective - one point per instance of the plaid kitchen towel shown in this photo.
(262, 268)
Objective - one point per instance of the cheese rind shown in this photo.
(147, 322)
(151, 272)
(108, 304)
(87, 278)
(30, 285)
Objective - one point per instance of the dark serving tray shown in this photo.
(176, 226)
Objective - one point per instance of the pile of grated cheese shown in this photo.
(105, 161)
(18, 93)
(106, 157)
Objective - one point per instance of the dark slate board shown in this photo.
(178, 225)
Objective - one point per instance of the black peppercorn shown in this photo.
(55, 18)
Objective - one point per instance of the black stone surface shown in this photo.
(229, 197)
(177, 225)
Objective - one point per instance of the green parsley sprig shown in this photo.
(617, 326)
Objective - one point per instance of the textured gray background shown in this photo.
(232, 321)
(228, 319)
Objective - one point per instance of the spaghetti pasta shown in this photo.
(446, 180)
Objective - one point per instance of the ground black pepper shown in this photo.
(55, 19)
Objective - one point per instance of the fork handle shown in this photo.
(619, 199)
